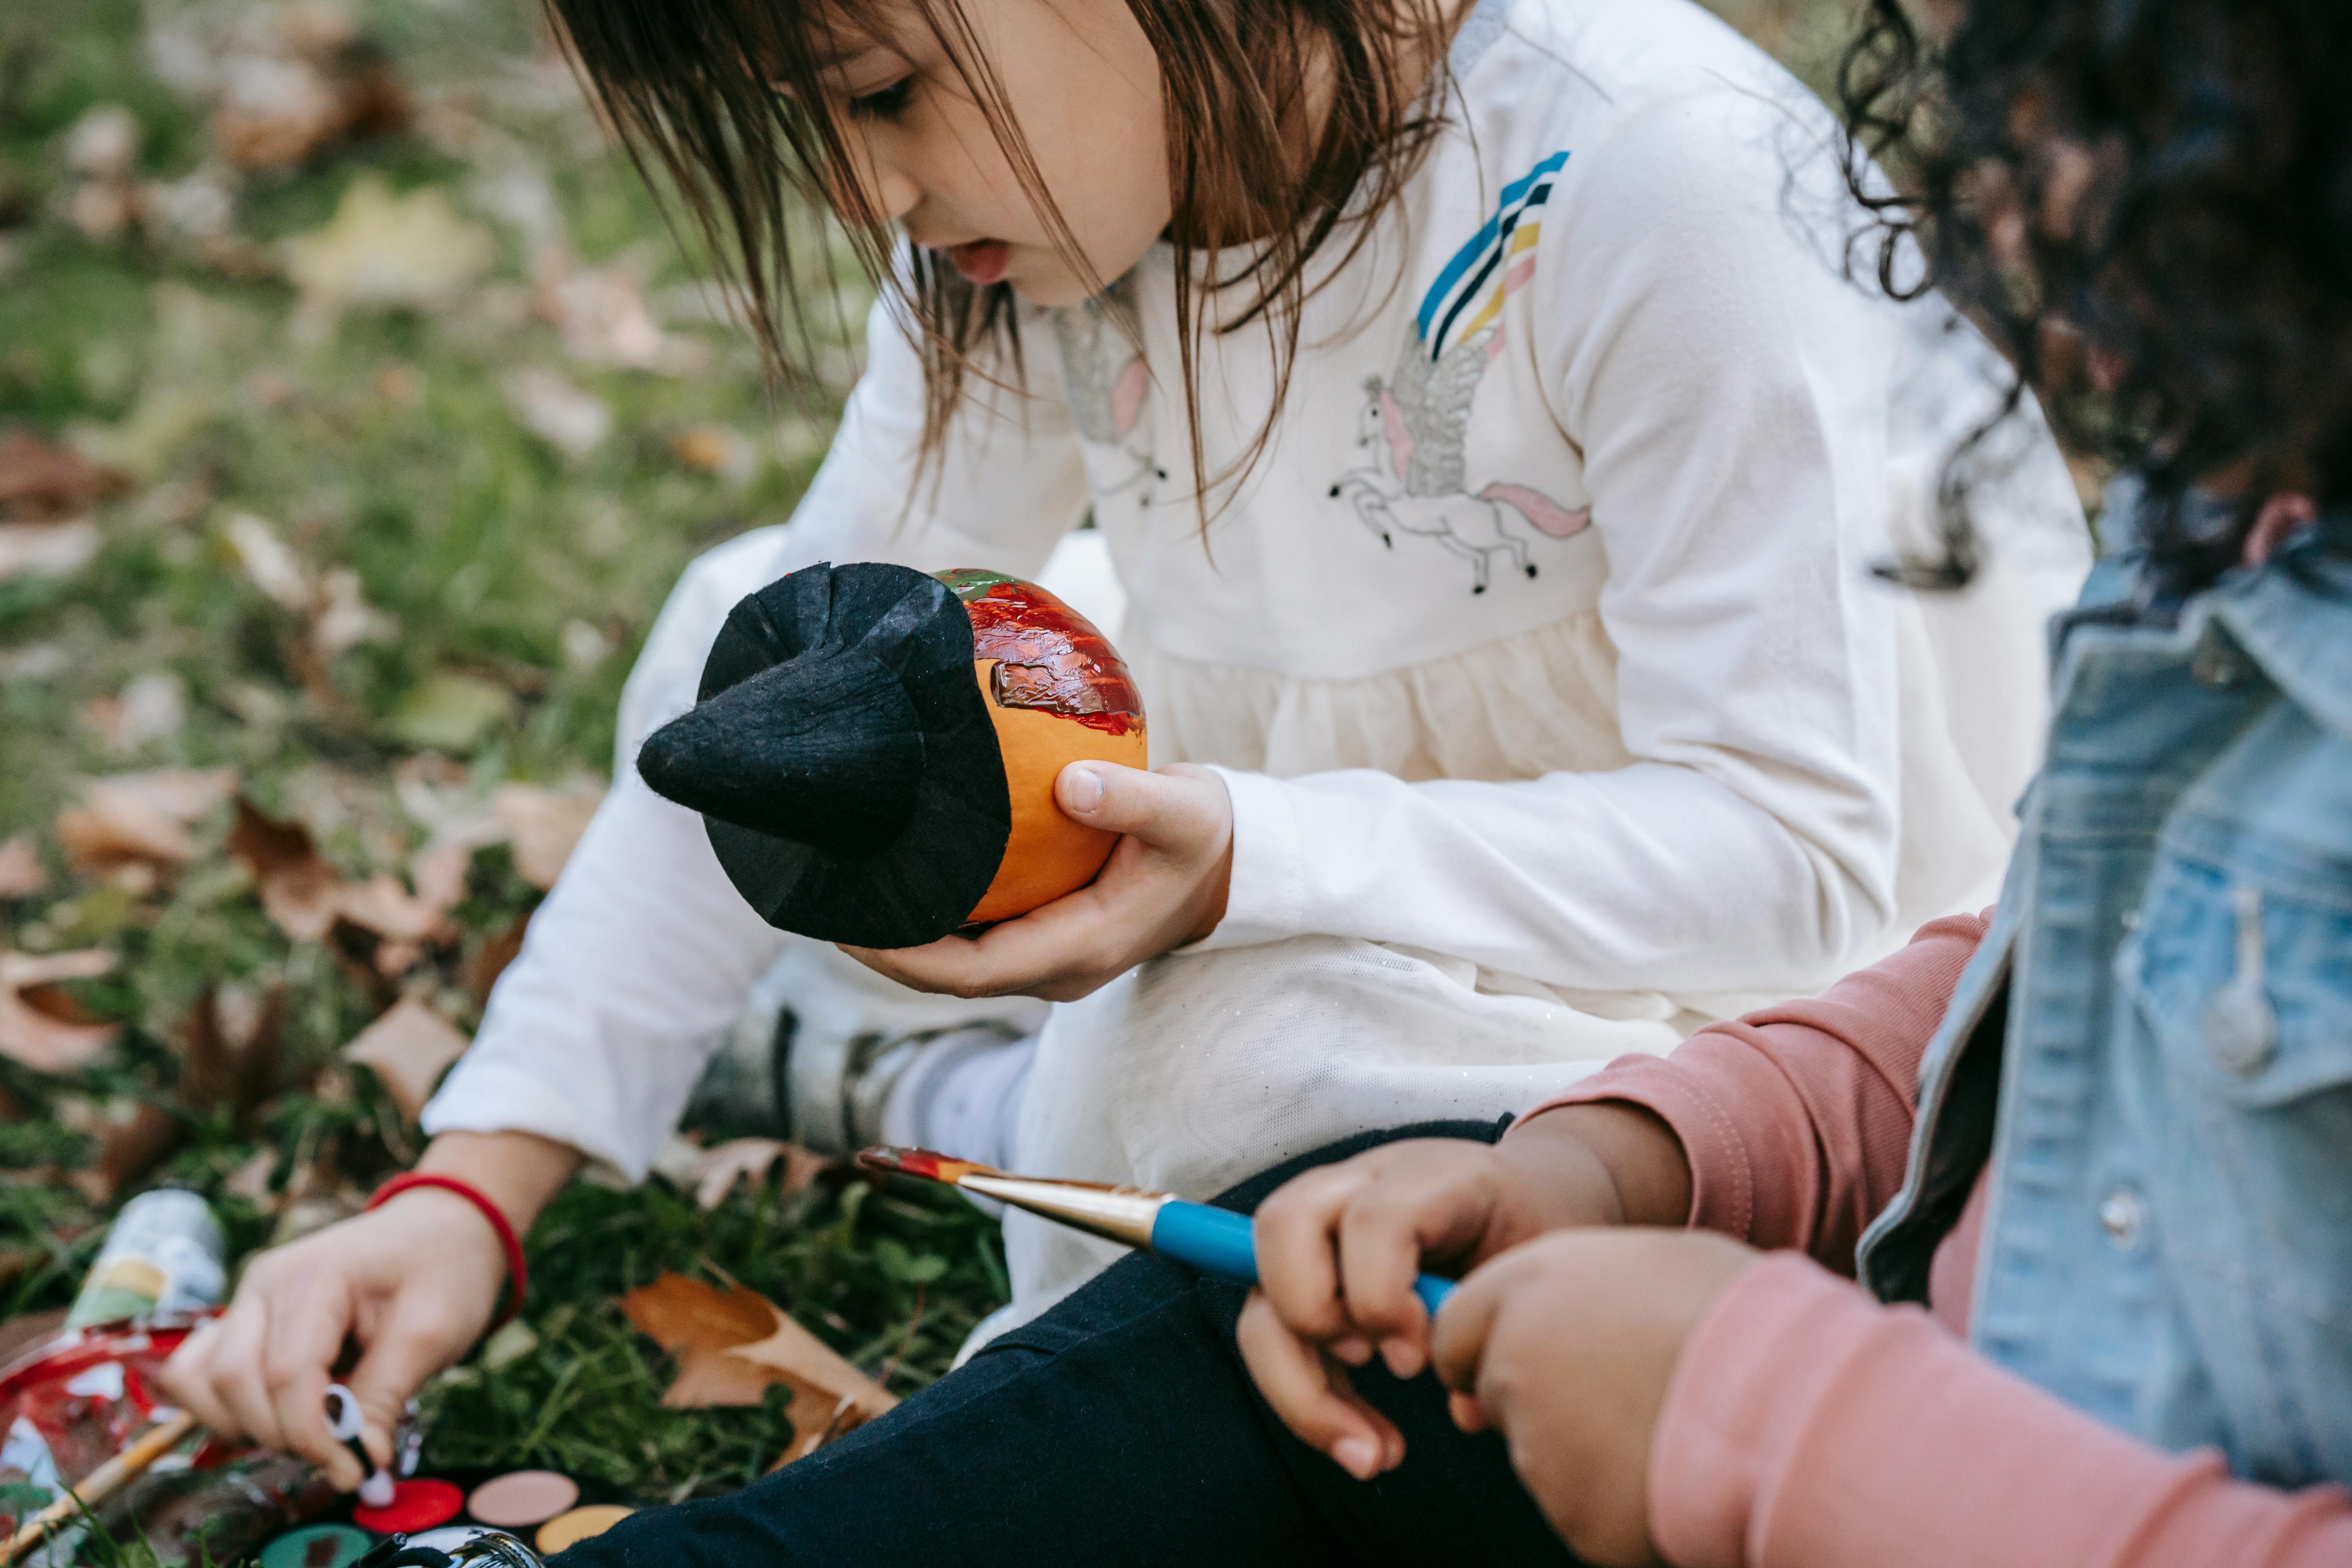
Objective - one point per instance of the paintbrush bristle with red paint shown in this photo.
(1215, 1241)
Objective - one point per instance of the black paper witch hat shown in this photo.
(842, 757)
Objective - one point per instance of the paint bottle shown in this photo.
(163, 1257)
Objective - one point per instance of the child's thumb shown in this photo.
(1158, 808)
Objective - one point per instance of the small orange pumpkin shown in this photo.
(1058, 693)
(874, 751)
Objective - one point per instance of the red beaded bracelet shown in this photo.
(517, 1276)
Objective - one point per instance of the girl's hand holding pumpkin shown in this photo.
(1567, 1346)
(1164, 886)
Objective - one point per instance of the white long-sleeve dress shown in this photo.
(1541, 654)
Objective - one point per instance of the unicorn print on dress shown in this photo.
(1106, 382)
(1415, 422)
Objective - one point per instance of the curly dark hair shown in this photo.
(2148, 203)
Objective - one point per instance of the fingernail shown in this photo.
(1356, 1455)
(1082, 789)
(1403, 1355)
(1355, 1350)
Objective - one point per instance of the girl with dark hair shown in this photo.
(1496, 457)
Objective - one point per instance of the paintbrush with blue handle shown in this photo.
(1213, 1240)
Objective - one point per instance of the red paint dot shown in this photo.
(414, 1506)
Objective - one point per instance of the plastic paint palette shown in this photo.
(316, 1546)
(580, 1525)
(415, 1506)
(521, 1498)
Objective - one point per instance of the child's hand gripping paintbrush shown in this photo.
(1213, 1240)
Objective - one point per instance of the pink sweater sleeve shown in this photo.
(1796, 1120)
(1808, 1427)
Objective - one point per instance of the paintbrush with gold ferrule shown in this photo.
(1213, 1240)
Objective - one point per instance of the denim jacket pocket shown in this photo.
(2241, 976)
(2241, 967)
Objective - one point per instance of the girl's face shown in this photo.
(1081, 84)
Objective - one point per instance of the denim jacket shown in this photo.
(2153, 1048)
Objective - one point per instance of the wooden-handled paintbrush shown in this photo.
(1213, 1240)
(101, 1483)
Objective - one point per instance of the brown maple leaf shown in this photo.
(307, 897)
(681, 1314)
(40, 1026)
(822, 1380)
(544, 826)
(129, 1138)
(141, 819)
(298, 888)
(409, 1049)
(39, 480)
(732, 1344)
(229, 1052)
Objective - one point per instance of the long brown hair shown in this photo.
(721, 96)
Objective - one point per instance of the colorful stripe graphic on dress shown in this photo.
(1471, 290)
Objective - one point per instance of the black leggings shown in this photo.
(1120, 1427)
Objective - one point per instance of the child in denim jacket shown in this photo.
(2104, 1136)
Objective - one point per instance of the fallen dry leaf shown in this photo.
(719, 1168)
(299, 889)
(39, 480)
(141, 817)
(830, 1396)
(151, 707)
(383, 251)
(681, 1314)
(714, 1380)
(545, 825)
(229, 1051)
(130, 1137)
(342, 618)
(276, 112)
(39, 1027)
(275, 569)
(450, 711)
(103, 144)
(47, 549)
(409, 1049)
(717, 450)
(602, 316)
(490, 961)
(383, 906)
(731, 1344)
(307, 897)
(568, 418)
(250, 1180)
(21, 873)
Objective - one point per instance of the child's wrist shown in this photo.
(1600, 1163)
(415, 1184)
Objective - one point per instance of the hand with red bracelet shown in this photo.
(412, 1284)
